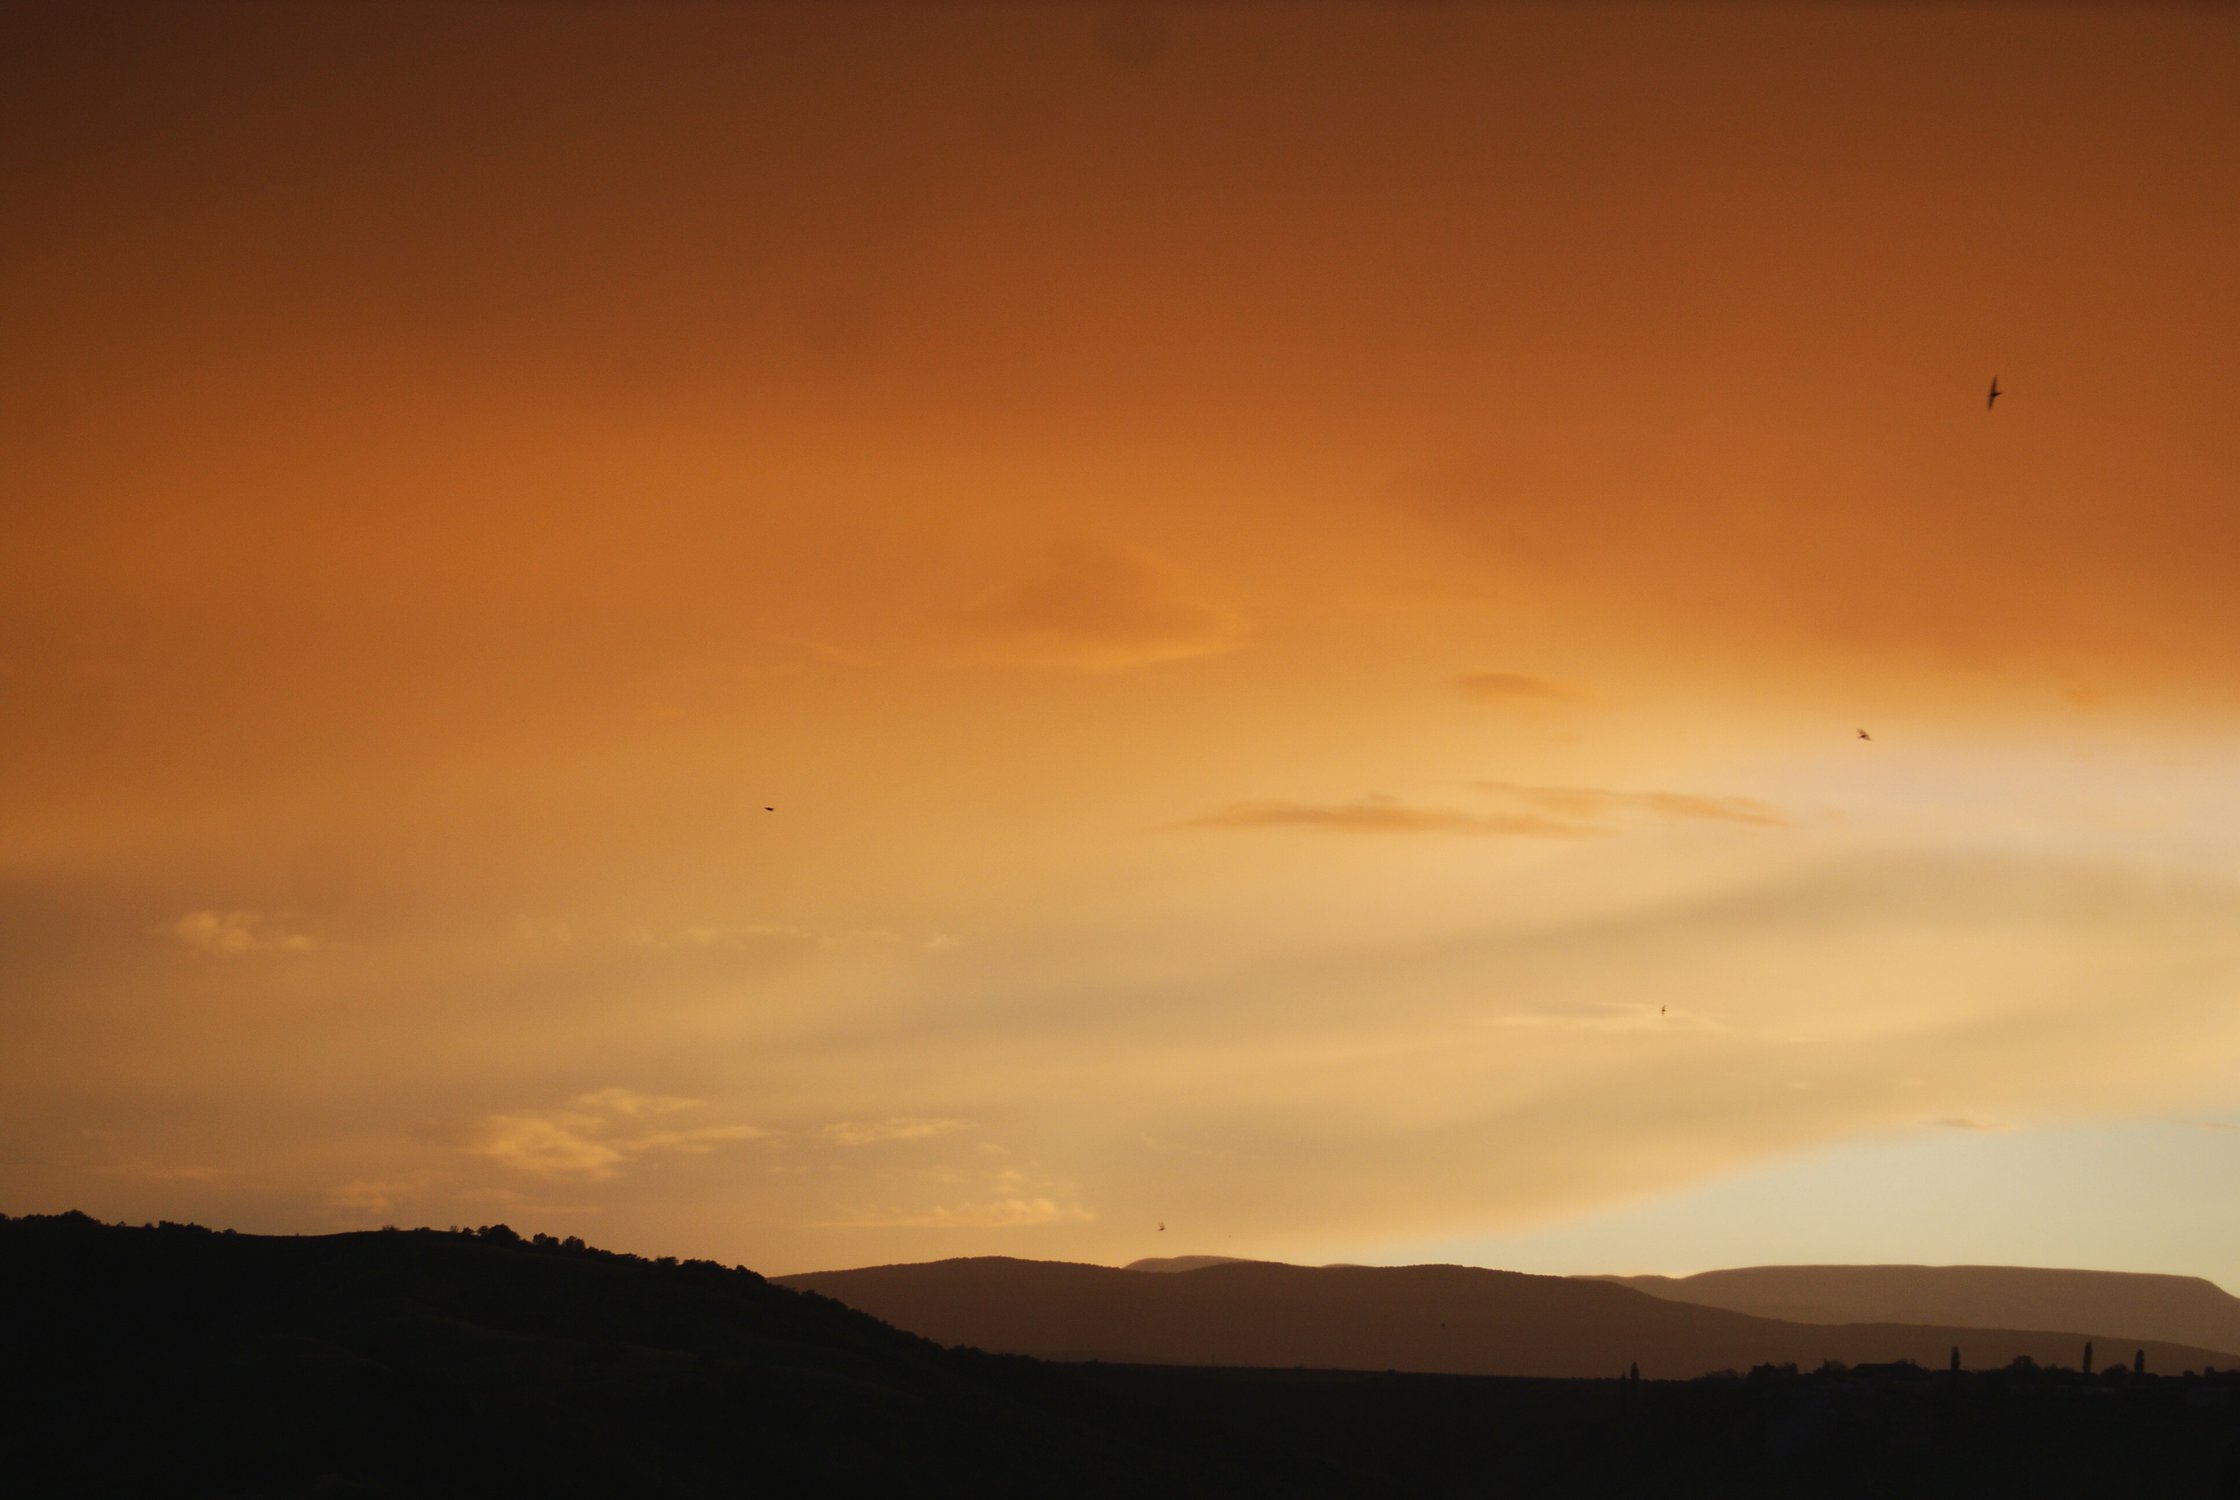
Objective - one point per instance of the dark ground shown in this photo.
(178, 1361)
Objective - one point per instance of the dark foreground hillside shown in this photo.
(176, 1361)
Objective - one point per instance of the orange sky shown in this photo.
(1300, 580)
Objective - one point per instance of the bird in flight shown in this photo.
(1992, 399)
(769, 809)
(1162, 1226)
(1864, 735)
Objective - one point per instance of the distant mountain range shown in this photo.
(2179, 1309)
(177, 1361)
(1453, 1319)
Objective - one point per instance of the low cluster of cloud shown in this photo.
(1546, 812)
(898, 1128)
(1016, 1201)
(366, 1195)
(732, 935)
(1001, 1213)
(230, 934)
(600, 1133)
(750, 934)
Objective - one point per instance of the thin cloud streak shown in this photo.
(1608, 1017)
(1004, 1213)
(1375, 816)
(630, 1103)
(1564, 812)
(1595, 802)
(900, 1128)
(1516, 687)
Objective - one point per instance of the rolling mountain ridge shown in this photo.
(2180, 1309)
(177, 1361)
(1450, 1319)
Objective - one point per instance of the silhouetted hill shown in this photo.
(1431, 1318)
(172, 1361)
(177, 1360)
(2115, 1305)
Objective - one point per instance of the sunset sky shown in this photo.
(832, 635)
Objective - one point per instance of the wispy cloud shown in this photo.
(696, 1141)
(1516, 687)
(232, 933)
(561, 1145)
(750, 934)
(722, 935)
(1599, 802)
(1543, 812)
(365, 1196)
(1001, 1213)
(1607, 1016)
(596, 1138)
(897, 1128)
(1382, 815)
(1011, 1198)
(1097, 607)
(631, 1104)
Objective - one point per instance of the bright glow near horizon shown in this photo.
(1297, 584)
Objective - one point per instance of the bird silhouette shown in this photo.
(1864, 735)
(1162, 1226)
(1992, 399)
(769, 809)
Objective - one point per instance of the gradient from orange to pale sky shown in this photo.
(1300, 580)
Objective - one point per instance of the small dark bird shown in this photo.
(769, 809)
(1992, 399)
(1864, 735)
(1162, 1226)
(1661, 1009)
